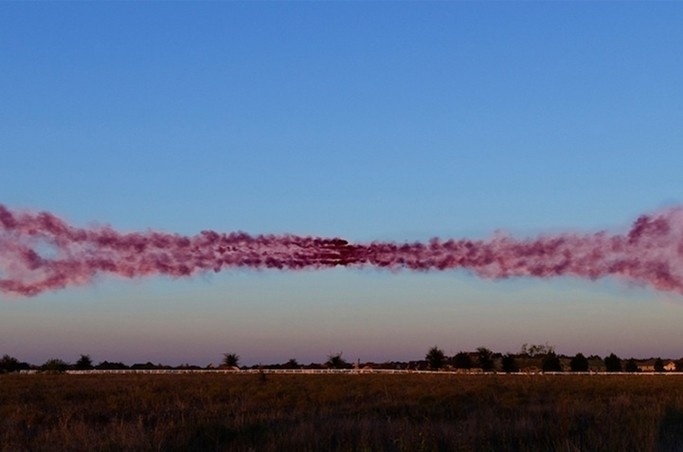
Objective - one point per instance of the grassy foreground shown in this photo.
(340, 412)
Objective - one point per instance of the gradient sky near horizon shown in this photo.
(368, 121)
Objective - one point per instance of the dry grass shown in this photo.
(340, 412)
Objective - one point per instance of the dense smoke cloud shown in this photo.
(40, 252)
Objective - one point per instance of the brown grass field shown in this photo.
(408, 412)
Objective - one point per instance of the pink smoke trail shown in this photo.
(40, 252)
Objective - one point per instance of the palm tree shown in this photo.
(231, 359)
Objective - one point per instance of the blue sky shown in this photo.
(369, 121)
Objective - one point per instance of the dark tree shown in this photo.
(462, 361)
(485, 358)
(291, 364)
(613, 363)
(509, 363)
(335, 361)
(533, 350)
(551, 363)
(106, 365)
(84, 363)
(579, 363)
(679, 365)
(148, 366)
(631, 366)
(435, 358)
(9, 364)
(659, 365)
(54, 365)
(231, 359)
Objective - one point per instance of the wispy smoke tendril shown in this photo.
(40, 252)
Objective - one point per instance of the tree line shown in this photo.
(10, 364)
(541, 357)
(531, 357)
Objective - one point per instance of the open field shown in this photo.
(340, 412)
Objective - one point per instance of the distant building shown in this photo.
(648, 365)
(670, 366)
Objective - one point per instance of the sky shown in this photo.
(369, 121)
